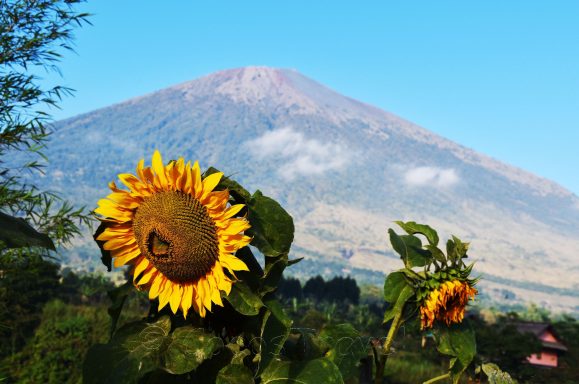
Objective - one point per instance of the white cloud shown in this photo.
(300, 155)
(431, 176)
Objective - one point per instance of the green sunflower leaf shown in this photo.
(273, 272)
(413, 228)
(134, 351)
(272, 228)
(188, 348)
(393, 285)
(409, 247)
(275, 330)
(347, 348)
(312, 371)
(106, 257)
(235, 374)
(15, 232)
(399, 305)
(118, 297)
(459, 342)
(244, 300)
(495, 375)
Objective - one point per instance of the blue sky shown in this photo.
(499, 77)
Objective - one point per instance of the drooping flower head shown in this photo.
(446, 303)
(178, 233)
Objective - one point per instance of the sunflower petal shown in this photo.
(140, 268)
(155, 287)
(147, 276)
(165, 294)
(159, 169)
(176, 297)
(187, 299)
(210, 182)
(197, 186)
(126, 257)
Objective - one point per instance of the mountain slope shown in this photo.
(344, 169)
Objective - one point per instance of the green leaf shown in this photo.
(118, 297)
(393, 285)
(346, 348)
(409, 247)
(313, 371)
(243, 300)
(15, 232)
(235, 374)
(274, 332)
(106, 257)
(189, 347)
(273, 273)
(134, 350)
(405, 295)
(495, 375)
(456, 249)
(459, 342)
(412, 228)
(272, 228)
(436, 253)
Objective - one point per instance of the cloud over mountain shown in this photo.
(301, 156)
(431, 176)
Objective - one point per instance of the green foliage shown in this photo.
(65, 334)
(346, 348)
(25, 286)
(459, 342)
(32, 34)
(17, 233)
(336, 290)
(302, 372)
(495, 375)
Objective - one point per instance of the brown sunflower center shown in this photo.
(176, 234)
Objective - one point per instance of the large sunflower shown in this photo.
(447, 303)
(177, 233)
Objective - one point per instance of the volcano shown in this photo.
(345, 170)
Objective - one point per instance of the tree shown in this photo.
(32, 35)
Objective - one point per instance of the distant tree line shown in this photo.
(337, 290)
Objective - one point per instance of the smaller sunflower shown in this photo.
(446, 303)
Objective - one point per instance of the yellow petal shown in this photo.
(165, 294)
(197, 186)
(133, 183)
(115, 214)
(235, 226)
(176, 297)
(140, 268)
(110, 233)
(215, 293)
(147, 276)
(232, 263)
(187, 299)
(155, 287)
(118, 242)
(122, 260)
(159, 168)
(207, 289)
(210, 182)
(233, 210)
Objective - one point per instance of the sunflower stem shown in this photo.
(396, 322)
(437, 378)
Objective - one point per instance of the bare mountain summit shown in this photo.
(344, 169)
